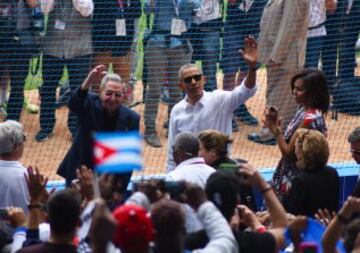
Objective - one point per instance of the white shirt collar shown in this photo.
(191, 161)
(201, 101)
(17, 164)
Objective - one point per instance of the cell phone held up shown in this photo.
(234, 168)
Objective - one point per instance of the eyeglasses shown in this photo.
(189, 79)
(117, 95)
(354, 151)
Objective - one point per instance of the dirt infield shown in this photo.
(47, 155)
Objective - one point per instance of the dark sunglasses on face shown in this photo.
(189, 79)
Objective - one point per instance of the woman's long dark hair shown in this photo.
(316, 88)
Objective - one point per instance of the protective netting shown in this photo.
(47, 47)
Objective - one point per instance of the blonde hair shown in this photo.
(314, 149)
(212, 139)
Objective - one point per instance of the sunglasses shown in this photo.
(354, 151)
(189, 79)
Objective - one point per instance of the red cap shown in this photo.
(134, 230)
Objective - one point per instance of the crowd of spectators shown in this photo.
(199, 209)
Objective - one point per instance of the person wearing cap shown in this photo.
(189, 166)
(134, 230)
(201, 110)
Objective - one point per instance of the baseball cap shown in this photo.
(134, 230)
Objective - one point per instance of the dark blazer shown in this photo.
(90, 113)
(312, 190)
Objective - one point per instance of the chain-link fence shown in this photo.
(47, 48)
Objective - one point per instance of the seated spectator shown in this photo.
(189, 166)
(134, 230)
(12, 183)
(214, 149)
(343, 221)
(354, 140)
(221, 189)
(169, 221)
(351, 236)
(309, 193)
(63, 215)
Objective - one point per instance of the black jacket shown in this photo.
(90, 113)
(312, 190)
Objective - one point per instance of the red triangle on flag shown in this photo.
(102, 152)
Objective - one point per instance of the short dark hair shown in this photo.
(316, 88)
(187, 143)
(168, 218)
(354, 136)
(350, 234)
(64, 211)
(222, 188)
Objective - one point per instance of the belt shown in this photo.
(317, 26)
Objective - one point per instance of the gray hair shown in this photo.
(111, 77)
(11, 135)
(354, 136)
(187, 143)
(187, 66)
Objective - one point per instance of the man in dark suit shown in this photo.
(103, 112)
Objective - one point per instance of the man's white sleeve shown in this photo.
(19, 237)
(233, 99)
(170, 164)
(221, 238)
(85, 7)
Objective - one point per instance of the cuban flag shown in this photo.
(117, 152)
